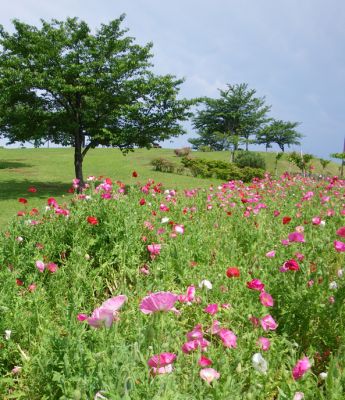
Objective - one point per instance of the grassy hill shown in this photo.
(51, 172)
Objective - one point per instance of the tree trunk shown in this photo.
(78, 159)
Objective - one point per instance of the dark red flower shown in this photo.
(286, 220)
(32, 189)
(92, 220)
(19, 282)
(291, 265)
(341, 231)
(20, 213)
(22, 200)
(142, 202)
(232, 272)
(134, 174)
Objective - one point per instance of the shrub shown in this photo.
(182, 152)
(205, 149)
(163, 165)
(249, 159)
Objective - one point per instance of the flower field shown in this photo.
(146, 292)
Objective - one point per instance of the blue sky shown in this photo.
(292, 52)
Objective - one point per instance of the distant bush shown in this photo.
(249, 159)
(182, 152)
(220, 169)
(163, 165)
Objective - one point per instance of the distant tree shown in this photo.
(237, 115)
(63, 84)
(324, 163)
(277, 158)
(214, 140)
(340, 156)
(283, 133)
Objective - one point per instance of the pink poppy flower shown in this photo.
(301, 368)
(204, 361)
(211, 309)
(209, 374)
(255, 284)
(52, 267)
(290, 265)
(160, 301)
(189, 297)
(215, 328)
(266, 299)
(296, 237)
(154, 249)
(341, 231)
(161, 363)
(316, 221)
(179, 229)
(195, 344)
(339, 246)
(228, 338)
(195, 333)
(40, 265)
(264, 343)
(106, 313)
(271, 254)
(268, 323)
(285, 242)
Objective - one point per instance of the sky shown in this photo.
(292, 52)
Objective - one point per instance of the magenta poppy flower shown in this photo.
(160, 301)
(255, 284)
(204, 361)
(266, 299)
(189, 297)
(106, 313)
(301, 368)
(290, 265)
(268, 323)
(215, 328)
(161, 363)
(271, 254)
(154, 249)
(211, 309)
(195, 344)
(341, 231)
(296, 237)
(40, 265)
(195, 333)
(264, 343)
(339, 246)
(228, 338)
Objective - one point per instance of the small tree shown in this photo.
(64, 84)
(277, 158)
(340, 156)
(324, 163)
(301, 161)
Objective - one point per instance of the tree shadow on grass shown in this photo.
(13, 189)
(13, 164)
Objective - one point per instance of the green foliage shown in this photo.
(249, 159)
(236, 115)
(301, 161)
(324, 163)
(61, 82)
(205, 149)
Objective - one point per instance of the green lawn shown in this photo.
(51, 172)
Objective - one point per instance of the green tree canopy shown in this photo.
(283, 133)
(237, 115)
(63, 83)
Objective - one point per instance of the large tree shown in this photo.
(61, 82)
(283, 133)
(237, 114)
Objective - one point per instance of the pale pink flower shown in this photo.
(40, 265)
(285, 242)
(195, 344)
(264, 343)
(215, 328)
(268, 323)
(154, 249)
(266, 299)
(211, 309)
(271, 254)
(204, 361)
(195, 333)
(209, 374)
(228, 338)
(106, 313)
(16, 370)
(179, 229)
(298, 396)
(161, 363)
(32, 287)
(301, 368)
(316, 221)
(160, 301)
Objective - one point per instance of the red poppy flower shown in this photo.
(32, 189)
(22, 200)
(142, 202)
(286, 220)
(134, 174)
(232, 272)
(19, 282)
(92, 220)
(108, 181)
